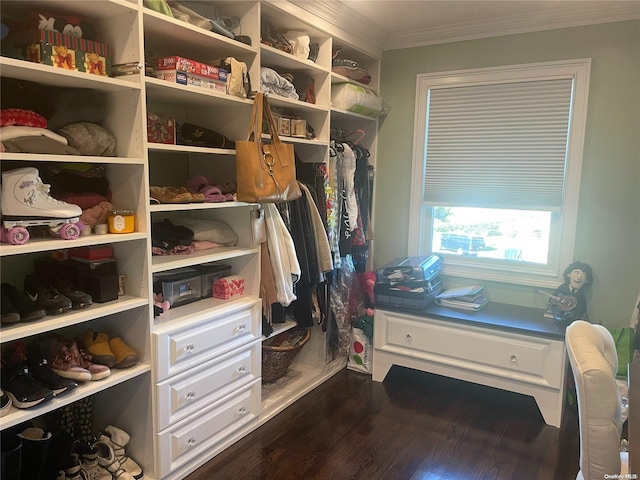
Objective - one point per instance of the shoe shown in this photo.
(126, 357)
(46, 296)
(98, 372)
(73, 470)
(117, 439)
(35, 445)
(23, 389)
(89, 459)
(5, 403)
(42, 372)
(10, 313)
(107, 459)
(78, 298)
(27, 309)
(63, 356)
(97, 345)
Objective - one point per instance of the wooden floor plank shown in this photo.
(413, 426)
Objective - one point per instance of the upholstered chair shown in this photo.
(593, 358)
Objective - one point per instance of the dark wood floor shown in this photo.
(413, 426)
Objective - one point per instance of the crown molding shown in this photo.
(560, 18)
(352, 27)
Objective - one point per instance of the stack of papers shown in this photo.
(466, 298)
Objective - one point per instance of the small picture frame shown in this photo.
(298, 128)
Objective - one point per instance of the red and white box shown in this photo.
(181, 64)
(228, 287)
(181, 70)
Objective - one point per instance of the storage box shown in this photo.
(410, 269)
(183, 71)
(178, 287)
(91, 253)
(228, 287)
(189, 79)
(210, 272)
(161, 128)
(413, 295)
(181, 64)
(65, 51)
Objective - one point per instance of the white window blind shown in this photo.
(500, 145)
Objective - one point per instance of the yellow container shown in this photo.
(121, 221)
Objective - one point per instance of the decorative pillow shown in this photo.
(211, 230)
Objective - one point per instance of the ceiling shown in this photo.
(393, 24)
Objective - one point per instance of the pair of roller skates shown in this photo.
(26, 203)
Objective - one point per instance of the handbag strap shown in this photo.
(261, 109)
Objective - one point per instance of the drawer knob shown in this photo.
(408, 338)
(241, 370)
(242, 328)
(513, 359)
(189, 348)
(242, 411)
(191, 442)
(190, 395)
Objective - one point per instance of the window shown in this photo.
(496, 169)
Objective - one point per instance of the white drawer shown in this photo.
(188, 392)
(198, 434)
(502, 354)
(192, 343)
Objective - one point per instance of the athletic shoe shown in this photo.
(22, 388)
(117, 439)
(42, 372)
(5, 403)
(46, 296)
(27, 309)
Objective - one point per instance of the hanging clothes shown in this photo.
(282, 255)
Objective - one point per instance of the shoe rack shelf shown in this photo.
(223, 395)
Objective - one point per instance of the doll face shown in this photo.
(577, 279)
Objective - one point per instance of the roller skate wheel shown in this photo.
(16, 235)
(69, 231)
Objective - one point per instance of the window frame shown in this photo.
(563, 224)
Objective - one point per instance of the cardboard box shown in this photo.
(65, 51)
(183, 78)
(228, 287)
(191, 67)
(91, 253)
(161, 128)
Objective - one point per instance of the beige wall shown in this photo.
(608, 226)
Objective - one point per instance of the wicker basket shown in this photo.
(277, 359)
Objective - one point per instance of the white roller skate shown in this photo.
(26, 203)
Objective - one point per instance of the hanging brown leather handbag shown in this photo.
(265, 172)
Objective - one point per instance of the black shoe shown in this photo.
(28, 310)
(46, 295)
(78, 299)
(10, 313)
(41, 371)
(5, 403)
(22, 388)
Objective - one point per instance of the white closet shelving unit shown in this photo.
(197, 388)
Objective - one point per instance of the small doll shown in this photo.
(568, 302)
